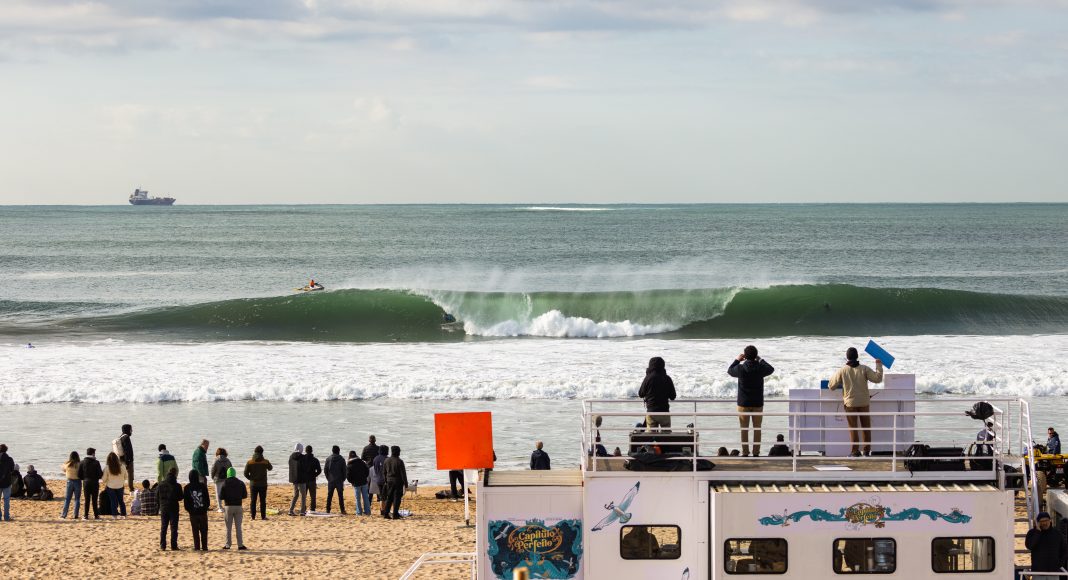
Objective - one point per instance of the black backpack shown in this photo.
(912, 453)
(981, 411)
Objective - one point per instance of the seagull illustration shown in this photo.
(618, 512)
(504, 532)
(686, 574)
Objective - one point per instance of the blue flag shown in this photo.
(877, 351)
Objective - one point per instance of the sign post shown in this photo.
(464, 442)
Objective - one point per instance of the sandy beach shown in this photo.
(40, 545)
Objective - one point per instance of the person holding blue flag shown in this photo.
(853, 379)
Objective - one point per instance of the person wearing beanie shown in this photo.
(296, 477)
(335, 478)
(233, 494)
(36, 488)
(170, 494)
(853, 379)
(1049, 550)
(256, 473)
(196, 499)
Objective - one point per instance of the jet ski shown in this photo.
(310, 288)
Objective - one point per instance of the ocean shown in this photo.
(184, 321)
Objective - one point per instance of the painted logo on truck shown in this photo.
(545, 550)
(863, 514)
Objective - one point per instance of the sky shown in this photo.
(547, 101)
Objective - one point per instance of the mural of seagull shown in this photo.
(686, 574)
(618, 512)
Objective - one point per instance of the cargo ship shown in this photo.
(140, 197)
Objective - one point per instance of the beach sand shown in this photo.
(40, 545)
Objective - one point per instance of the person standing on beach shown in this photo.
(164, 464)
(853, 379)
(233, 493)
(89, 472)
(256, 473)
(74, 485)
(312, 469)
(356, 473)
(123, 447)
(750, 371)
(218, 473)
(335, 478)
(170, 494)
(539, 459)
(456, 476)
(378, 473)
(657, 390)
(396, 477)
(297, 478)
(7, 467)
(195, 498)
(200, 460)
(115, 484)
(370, 451)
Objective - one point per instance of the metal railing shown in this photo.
(715, 423)
(442, 558)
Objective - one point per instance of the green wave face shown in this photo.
(416, 315)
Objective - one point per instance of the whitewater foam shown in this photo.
(118, 371)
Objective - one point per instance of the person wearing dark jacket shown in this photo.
(197, 501)
(170, 496)
(312, 468)
(90, 472)
(127, 455)
(35, 486)
(297, 478)
(335, 478)
(780, 449)
(18, 486)
(256, 473)
(356, 473)
(539, 459)
(396, 480)
(7, 467)
(750, 371)
(370, 451)
(218, 472)
(1049, 550)
(657, 390)
(233, 493)
(379, 475)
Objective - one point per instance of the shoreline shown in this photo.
(37, 544)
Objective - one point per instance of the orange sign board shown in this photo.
(464, 440)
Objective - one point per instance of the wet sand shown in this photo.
(40, 545)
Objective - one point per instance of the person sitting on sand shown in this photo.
(233, 494)
(18, 487)
(36, 488)
(170, 494)
(149, 499)
(539, 459)
(396, 477)
(197, 502)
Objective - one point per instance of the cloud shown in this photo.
(546, 82)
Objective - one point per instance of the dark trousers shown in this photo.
(394, 493)
(199, 525)
(331, 488)
(129, 474)
(92, 496)
(311, 494)
(261, 493)
(168, 519)
(456, 476)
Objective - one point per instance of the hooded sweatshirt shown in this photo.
(335, 468)
(539, 460)
(218, 469)
(750, 375)
(170, 493)
(256, 470)
(196, 496)
(357, 472)
(296, 474)
(233, 490)
(657, 389)
(164, 464)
